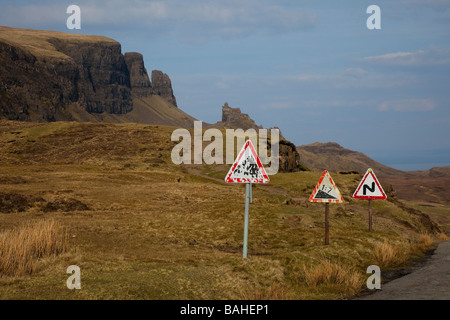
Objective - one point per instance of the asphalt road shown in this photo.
(430, 282)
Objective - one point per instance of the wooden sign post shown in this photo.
(369, 188)
(327, 192)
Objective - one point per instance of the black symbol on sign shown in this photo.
(248, 167)
(323, 195)
(368, 188)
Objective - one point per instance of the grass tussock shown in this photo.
(442, 236)
(21, 248)
(274, 292)
(388, 255)
(425, 242)
(331, 273)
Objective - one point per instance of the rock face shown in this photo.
(140, 83)
(234, 118)
(98, 73)
(162, 86)
(289, 157)
(42, 73)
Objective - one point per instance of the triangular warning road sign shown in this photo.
(369, 187)
(326, 190)
(247, 167)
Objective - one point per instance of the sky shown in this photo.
(312, 68)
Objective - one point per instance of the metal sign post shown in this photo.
(248, 189)
(370, 215)
(327, 226)
(247, 168)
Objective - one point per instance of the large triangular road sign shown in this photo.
(369, 187)
(247, 167)
(326, 190)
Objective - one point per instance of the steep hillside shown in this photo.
(151, 109)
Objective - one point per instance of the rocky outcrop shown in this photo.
(162, 86)
(289, 157)
(233, 118)
(141, 86)
(140, 83)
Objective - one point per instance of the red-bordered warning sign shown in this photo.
(326, 190)
(247, 167)
(369, 187)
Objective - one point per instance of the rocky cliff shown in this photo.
(43, 74)
(234, 118)
(141, 85)
(139, 80)
(162, 86)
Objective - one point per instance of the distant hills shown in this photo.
(333, 157)
(430, 185)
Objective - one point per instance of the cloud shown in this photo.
(199, 19)
(278, 105)
(355, 78)
(33, 15)
(408, 105)
(430, 57)
(355, 72)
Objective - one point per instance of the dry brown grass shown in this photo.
(443, 236)
(153, 230)
(425, 241)
(274, 292)
(331, 273)
(21, 248)
(388, 255)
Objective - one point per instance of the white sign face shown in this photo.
(369, 187)
(247, 167)
(326, 190)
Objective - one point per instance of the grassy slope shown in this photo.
(153, 230)
(36, 41)
(147, 110)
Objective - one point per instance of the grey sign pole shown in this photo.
(327, 226)
(248, 187)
